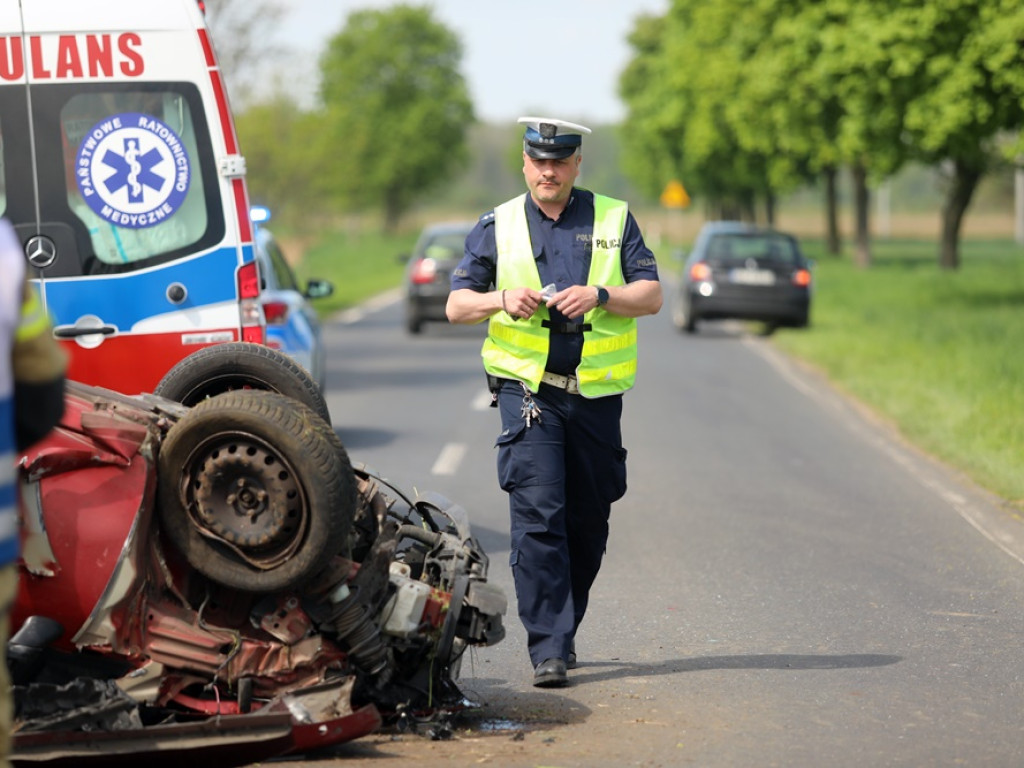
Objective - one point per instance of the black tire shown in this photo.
(413, 322)
(240, 365)
(683, 320)
(252, 491)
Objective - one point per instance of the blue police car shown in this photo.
(293, 325)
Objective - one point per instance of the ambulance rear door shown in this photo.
(120, 171)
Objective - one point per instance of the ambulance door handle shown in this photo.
(74, 331)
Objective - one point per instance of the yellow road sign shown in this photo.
(675, 195)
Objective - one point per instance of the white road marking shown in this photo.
(449, 459)
(482, 401)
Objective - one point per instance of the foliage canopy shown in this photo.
(396, 109)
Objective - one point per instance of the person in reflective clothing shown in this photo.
(561, 274)
(31, 402)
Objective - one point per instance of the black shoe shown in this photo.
(570, 663)
(550, 674)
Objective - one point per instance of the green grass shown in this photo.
(360, 264)
(939, 353)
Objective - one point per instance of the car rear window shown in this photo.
(760, 247)
(446, 246)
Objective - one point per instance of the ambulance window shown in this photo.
(134, 174)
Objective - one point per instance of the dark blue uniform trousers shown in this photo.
(562, 475)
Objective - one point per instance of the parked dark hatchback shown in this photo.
(744, 272)
(428, 273)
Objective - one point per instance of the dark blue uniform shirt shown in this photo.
(562, 249)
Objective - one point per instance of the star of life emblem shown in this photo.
(133, 170)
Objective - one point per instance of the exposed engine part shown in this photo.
(355, 621)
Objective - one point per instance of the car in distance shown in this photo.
(744, 272)
(429, 269)
(293, 325)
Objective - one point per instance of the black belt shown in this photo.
(566, 327)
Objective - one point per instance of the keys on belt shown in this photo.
(568, 383)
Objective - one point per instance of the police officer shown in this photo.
(31, 402)
(562, 274)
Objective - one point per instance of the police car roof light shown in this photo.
(259, 214)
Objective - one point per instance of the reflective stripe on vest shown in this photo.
(34, 320)
(519, 349)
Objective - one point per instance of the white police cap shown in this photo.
(548, 138)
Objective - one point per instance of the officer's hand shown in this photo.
(522, 302)
(575, 301)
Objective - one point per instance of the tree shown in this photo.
(681, 89)
(744, 97)
(972, 92)
(396, 107)
(283, 150)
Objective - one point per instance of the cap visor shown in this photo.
(549, 153)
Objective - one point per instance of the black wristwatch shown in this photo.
(602, 295)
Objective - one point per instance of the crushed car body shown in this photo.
(198, 577)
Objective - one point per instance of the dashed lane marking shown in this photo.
(449, 459)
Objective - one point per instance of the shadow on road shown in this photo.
(798, 662)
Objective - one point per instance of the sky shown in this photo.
(560, 58)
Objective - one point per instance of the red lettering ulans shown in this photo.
(72, 57)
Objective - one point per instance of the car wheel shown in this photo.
(252, 491)
(240, 365)
(413, 323)
(682, 318)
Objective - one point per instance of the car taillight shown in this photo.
(276, 312)
(249, 308)
(700, 271)
(424, 271)
(802, 277)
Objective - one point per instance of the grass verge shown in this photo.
(360, 264)
(940, 353)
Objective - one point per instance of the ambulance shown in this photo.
(121, 173)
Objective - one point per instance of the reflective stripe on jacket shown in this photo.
(518, 349)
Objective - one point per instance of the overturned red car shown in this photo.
(218, 577)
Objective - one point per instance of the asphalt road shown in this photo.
(787, 583)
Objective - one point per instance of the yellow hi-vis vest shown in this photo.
(518, 349)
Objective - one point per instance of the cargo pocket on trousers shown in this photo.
(513, 461)
(614, 481)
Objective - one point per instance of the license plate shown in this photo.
(752, 276)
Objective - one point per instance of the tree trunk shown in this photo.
(834, 244)
(769, 207)
(748, 205)
(861, 197)
(392, 212)
(958, 198)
